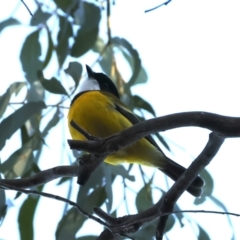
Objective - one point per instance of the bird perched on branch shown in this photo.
(98, 110)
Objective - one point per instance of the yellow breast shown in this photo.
(96, 113)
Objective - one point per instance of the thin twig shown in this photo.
(27, 8)
(166, 3)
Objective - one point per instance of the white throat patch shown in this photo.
(88, 85)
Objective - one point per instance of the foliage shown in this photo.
(78, 33)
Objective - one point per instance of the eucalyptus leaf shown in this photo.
(29, 56)
(144, 197)
(120, 170)
(49, 50)
(19, 162)
(75, 71)
(39, 17)
(25, 218)
(8, 22)
(202, 234)
(127, 48)
(108, 186)
(69, 225)
(87, 34)
(64, 34)
(106, 53)
(13, 122)
(143, 104)
(52, 85)
(5, 98)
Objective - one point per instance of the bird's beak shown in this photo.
(90, 72)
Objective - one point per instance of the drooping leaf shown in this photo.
(66, 6)
(170, 223)
(142, 76)
(5, 98)
(30, 53)
(52, 85)
(93, 182)
(39, 17)
(64, 33)
(87, 238)
(25, 217)
(75, 71)
(49, 50)
(162, 140)
(221, 205)
(13, 122)
(19, 162)
(142, 104)
(128, 50)
(202, 234)
(36, 92)
(207, 188)
(52, 123)
(69, 225)
(8, 22)
(3, 205)
(87, 34)
(108, 186)
(147, 231)
(105, 60)
(144, 197)
(24, 134)
(120, 170)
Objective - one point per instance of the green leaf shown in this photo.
(13, 122)
(142, 76)
(202, 234)
(29, 56)
(8, 22)
(65, 32)
(52, 123)
(66, 5)
(69, 225)
(93, 182)
(147, 231)
(52, 85)
(36, 92)
(170, 223)
(24, 134)
(49, 50)
(207, 188)
(87, 34)
(25, 217)
(107, 170)
(129, 52)
(162, 140)
(106, 55)
(39, 17)
(120, 170)
(75, 71)
(87, 238)
(142, 104)
(144, 197)
(3, 205)
(5, 98)
(20, 162)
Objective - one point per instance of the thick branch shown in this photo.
(221, 125)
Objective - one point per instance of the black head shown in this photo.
(105, 83)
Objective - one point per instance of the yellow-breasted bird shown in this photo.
(98, 110)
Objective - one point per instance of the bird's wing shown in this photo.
(134, 120)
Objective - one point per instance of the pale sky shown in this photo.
(191, 51)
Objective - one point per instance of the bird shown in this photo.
(98, 110)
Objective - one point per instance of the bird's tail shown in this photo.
(174, 171)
